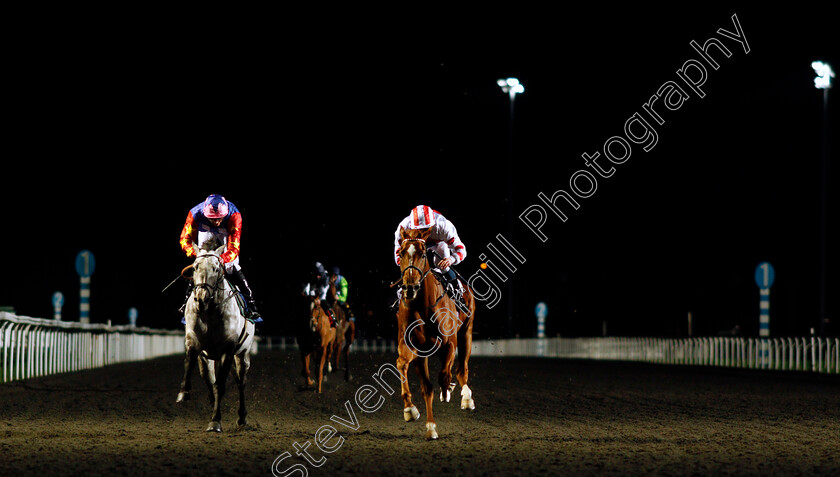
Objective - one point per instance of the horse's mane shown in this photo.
(211, 244)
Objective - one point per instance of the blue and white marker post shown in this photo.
(541, 311)
(57, 302)
(84, 267)
(764, 276)
(132, 316)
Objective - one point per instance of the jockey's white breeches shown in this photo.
(232, 266)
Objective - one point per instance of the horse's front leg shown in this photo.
(189, 365)
(410, 412)
(219, 391)
(333, 357)
(307, 381)
(324, 357)
(463, 371)
(426, 387)
(447, 360)
(243, 363)
(336, 347)
(207, 369)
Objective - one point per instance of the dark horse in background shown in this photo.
(430, 324)
(344, 335)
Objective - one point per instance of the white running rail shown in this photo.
(32, 347)
(815, 354)
(379, 345)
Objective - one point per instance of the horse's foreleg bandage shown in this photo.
(411, 414)
(466, 398)
(431, 430)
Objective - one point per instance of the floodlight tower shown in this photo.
(823, 82)
(512, 87)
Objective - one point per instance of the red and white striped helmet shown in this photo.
(422, 217)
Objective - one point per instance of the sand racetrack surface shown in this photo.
(532, 417)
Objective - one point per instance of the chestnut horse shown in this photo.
(316, 341)
(345, 332)
(430, 324)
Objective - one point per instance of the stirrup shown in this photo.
(454, 290)
(457, 296)
(252, 314)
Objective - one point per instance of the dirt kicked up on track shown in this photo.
(533, 417)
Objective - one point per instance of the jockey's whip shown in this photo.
(171, 283)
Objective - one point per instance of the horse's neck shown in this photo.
(224, 289)
(223, 294)
(431, 289)
(322, 320)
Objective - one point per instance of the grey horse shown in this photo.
(216, 333)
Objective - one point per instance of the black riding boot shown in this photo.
(330, 313)
(242, 284)
(451, 282)
(454, 288)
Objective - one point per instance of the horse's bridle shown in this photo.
(315, 304)
(211, 289)
(414, 267)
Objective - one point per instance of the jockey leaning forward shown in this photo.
(220, 219)
(443, 245)
(341, 289)
(318, 285)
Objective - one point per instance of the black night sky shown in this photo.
(326, 133)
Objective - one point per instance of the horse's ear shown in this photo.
(403, 233)
(221, 249)
(425, 233)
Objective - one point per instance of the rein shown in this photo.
(212, 289)
(399, 282)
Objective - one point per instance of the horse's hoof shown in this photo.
(214, 427)
(466, 398)
(183, 396)
(329, 368)
(445, 397)
(431, 431)
(411, 414)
